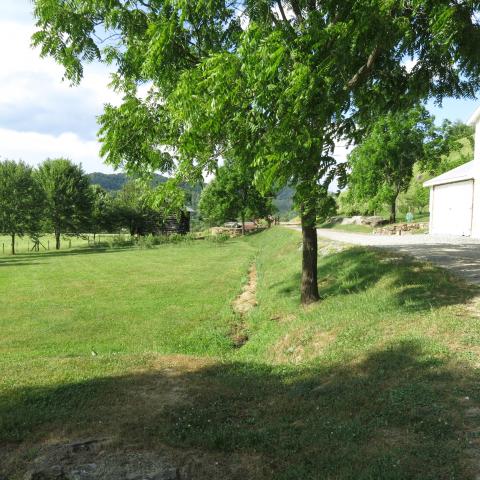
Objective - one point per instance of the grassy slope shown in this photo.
(370, 383)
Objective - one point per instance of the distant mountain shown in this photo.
(115, 181)
(284, 200)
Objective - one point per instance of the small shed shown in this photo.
(179, 223)
(455, 195)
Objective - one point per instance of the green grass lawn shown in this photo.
(379, 380)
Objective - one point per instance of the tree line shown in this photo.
(58, 197)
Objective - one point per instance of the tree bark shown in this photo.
(57, 240)
(243, 223)
(13, 244)
(309, 287)
(393, 211)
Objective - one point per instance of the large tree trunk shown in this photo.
(13, 244)
(57, 240)
(393, 211)
(309, 288)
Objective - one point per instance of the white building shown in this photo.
(455, 195)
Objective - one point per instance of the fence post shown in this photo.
(70, 243)
(48, 244)
(3, 248)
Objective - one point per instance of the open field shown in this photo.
(133, 349)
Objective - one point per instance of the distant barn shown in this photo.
(179, 223)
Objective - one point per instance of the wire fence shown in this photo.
(46, 243)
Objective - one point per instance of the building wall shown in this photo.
(476, 191)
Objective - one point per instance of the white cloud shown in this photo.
(28, 81)
(33, 148)
(37, 108)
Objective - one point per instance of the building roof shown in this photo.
(459, 174)
(475, 118)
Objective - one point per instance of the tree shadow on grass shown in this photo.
(416, 285)
(398, 414)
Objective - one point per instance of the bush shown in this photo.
(219, 238)
(118, 241)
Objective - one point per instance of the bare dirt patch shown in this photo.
(247, 299)
(241, 306)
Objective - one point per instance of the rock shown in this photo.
(351, 221)
(133, 476)
(54, 473)
(374, 221)
(169, 473)
(83, 472)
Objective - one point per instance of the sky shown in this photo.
(43, 117)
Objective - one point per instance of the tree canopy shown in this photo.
(273, 83)
(68, 196)
(21, 201)
(382, 165)
(232, 195)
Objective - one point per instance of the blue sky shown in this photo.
(41, 116)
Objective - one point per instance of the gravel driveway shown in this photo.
(461, 255)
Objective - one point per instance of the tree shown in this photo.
(21, 201)
(233, 195)
(272, 83)
(416, 197)
(103, 216)
(382, 165)
(68, 197)
(135, 211)
(452, 147)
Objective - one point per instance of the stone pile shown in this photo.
(401, 229)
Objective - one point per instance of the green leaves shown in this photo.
(21, 199)
(68, 195)
(382, 165)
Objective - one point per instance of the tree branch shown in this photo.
(364, 69)
(282, 11)
(296, 10)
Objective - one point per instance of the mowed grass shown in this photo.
(166, 300)
(379, 380)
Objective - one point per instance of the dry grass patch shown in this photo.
(247, 299)
(301, 345)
